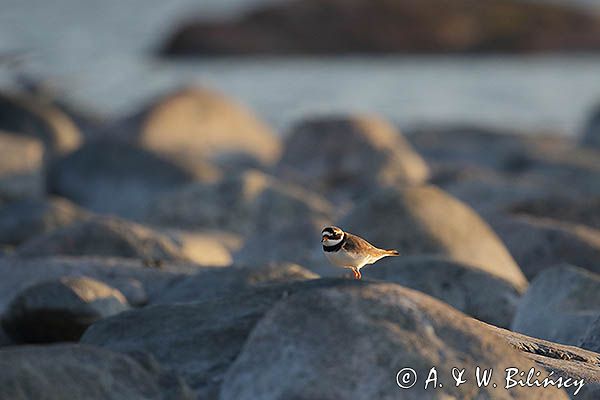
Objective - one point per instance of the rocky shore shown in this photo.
(404, 26)
(175, 254)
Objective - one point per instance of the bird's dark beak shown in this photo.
(324, 238)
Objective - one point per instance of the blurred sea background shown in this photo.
(101, 56)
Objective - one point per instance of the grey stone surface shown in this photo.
(560, 305)
(348, 342)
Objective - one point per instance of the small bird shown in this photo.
(346, 250)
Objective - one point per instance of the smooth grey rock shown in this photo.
(471, 290)
(112, 177)
(560, 305)
(22, 220)
(349, 341)
(426, 220)
(60, 310)
(345, 155)
(538, 243)
(104, 236)
(73, 371)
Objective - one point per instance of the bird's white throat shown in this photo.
(332, 242)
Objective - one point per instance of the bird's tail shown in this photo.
(392, 253)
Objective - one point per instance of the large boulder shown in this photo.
(104, 236)
(538, 243)
(352, 342)
(426, 220)
(73, 371)
(21, 160)
(28, 115)
(560, 305)
(112, 177)
(471, 290)
(366, 26)
(203, 122)
(221, 282)
(60, 310)
(349, 154)
(22, 220)
(238, 203)
(135, 279)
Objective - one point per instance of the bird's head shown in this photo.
(331, 235)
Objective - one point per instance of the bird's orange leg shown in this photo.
(357, 274)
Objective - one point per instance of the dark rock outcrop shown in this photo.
(405, 26)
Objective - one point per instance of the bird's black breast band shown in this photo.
(335, 247)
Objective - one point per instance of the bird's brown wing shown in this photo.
(356, 244)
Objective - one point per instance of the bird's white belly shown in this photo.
(345, 259)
